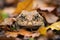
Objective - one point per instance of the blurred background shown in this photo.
(7, 7)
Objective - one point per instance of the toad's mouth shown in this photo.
(30, 28)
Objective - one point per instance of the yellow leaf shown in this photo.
(42, 30)
(26, 4)
(55, 26)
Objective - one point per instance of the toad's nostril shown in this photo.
(29, 23)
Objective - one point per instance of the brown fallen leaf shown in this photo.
(50, 18)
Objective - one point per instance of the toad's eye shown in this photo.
(36, 17)
(22, 16)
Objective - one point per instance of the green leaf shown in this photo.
(31, 39)
(4, 15)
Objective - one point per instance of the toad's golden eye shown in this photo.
(36, 17)
(22, 17)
